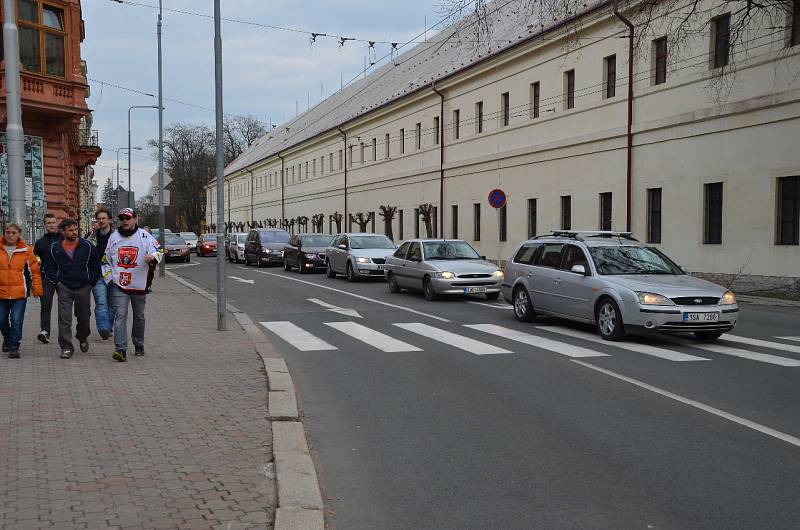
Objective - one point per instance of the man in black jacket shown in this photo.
(42, 250)
(74, 267)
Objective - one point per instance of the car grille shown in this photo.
(696, 300)
(379, 261)
(472, 284)
(480, 275)
(695, 326)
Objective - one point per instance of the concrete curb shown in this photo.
(764, 300)
(300, 504)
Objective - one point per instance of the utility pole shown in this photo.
(221, 302)
(15, 136)
(161, 214)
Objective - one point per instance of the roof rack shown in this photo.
(581, 235)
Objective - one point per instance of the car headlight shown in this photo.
(498, 274)
(267, 251)
(447, 275)
(653, 299)
(362, 260)
(728, 298)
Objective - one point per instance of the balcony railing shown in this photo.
(88, 137)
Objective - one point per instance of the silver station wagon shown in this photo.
(442, 266)
(611, 280)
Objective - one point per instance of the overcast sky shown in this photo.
(265, 70)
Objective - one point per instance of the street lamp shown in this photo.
(129, 145)
(129, 161)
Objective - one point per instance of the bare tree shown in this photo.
(288, 225)
(388, 213)
(302, 223)
(108, 196)
(316, 222)
(239, 133)
(337, 218)
(272, 223)
(362, 220)
(426, 212)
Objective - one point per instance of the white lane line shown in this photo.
(457, 341)
(493, 306)
(374, 338)
(352, 313)
(762, 343)
(746, 354)
(796, 339)
(696, 404)
(428, 315)
(655, 351)
(534, 340)
(297, 336)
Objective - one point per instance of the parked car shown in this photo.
(176, 248)
(235, 246)
(442, 266)
(265, 246)
(358, 255)
(190, 238)
(207, 245)
(306, 252)
(616, 283)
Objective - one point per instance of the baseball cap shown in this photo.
(126, 212)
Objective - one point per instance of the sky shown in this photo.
(266, 72)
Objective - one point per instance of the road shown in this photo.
(417, 420)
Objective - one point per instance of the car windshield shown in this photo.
(241, 238)
(437, 250)
(171, 239)
(275, 236)
(371, 242)
(316, 241)
(632, 260)
(209, 238)
(188, 235)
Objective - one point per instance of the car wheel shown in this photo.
(428, 290)
(259, 262)
(523, 305)
(394, 287)
(238, 260)
(286, 265)
(351, 274)
(492, 296)
(301, 267)
(188, 259)
(609, 320)
(329, 272)
(707, 336)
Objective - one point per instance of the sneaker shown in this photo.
(105, 335)
(139, 351)
(13, 353)
(6, 347)
(84, 346)
(66, 353)
(120, 356)
(44, 337)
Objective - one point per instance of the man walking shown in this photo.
(129, 253)
(102, 309)
(42, 250)
(74, 267)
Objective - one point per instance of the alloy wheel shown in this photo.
(607, 319)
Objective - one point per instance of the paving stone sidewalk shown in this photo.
(179, 438)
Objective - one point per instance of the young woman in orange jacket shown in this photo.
(19, 275)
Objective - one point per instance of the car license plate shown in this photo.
(474, 290)
(380, 267)
(701, 317)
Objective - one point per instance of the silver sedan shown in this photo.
(442, 266)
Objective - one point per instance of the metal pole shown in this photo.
(15, 136)
(161, 215)
(128, 197)
(221, 305)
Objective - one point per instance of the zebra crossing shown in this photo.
(494, 339)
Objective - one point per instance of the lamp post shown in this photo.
(220, 168)
(129, 146)
(129, 160)
(161, 213)
(15, 136)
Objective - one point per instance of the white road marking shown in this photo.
(696, 404)
(242, 280)
(655, 351)
(354, 295)
(762, 343)
(796, 339)
(374, 338)
(352, 313)
(297, 336)
(457, 341)
(753, 356)
(534, 340)
(493, 306)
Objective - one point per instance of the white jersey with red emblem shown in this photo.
(125, 263)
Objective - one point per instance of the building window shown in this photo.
(330, 162)
(436, 130)
(402, 141)
(416, 222)
(654, 215)
(569, 89)
(610, 67)
(535, 100)
(322, 165)
(789, 210)
(340, 160)
(794, 38)
(361, 151)
(605, 210)
(374, 149)
(479, 117)
(386, 146)
(350, 155)
(531, 218)
(660, 61)
(566, 212)
(418, 134)
(454, 221)
(400, 224)
(505, 109)
(41, 38)
(502, 226)
(712, 233)
(720, 34)
(314, 168)
(456, 124)
(476, 228)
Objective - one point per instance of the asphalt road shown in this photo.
(412, 428)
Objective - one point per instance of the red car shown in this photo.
(207, 245)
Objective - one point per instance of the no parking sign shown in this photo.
(497, 198)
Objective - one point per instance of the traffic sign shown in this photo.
(497, 198)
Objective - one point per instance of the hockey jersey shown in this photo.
(125, 263)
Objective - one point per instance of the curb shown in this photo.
(764, 300)
(299, 498)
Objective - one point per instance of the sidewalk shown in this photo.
(179, 438)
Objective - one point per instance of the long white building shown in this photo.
(703, 160)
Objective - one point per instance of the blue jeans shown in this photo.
(12, 314)
(102, 309)
(119, 301)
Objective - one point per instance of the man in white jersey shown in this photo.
(130, 253)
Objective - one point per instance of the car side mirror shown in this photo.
(342, 247)
(483, 258)
(578, 269)
(685, 271)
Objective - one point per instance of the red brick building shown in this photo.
(59, 142)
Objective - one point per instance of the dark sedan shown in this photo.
(306, 252)
(264, 246)
(176, 248)
(207, 245)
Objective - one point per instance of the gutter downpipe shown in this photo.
(283, 187)
(252, 193)
(441, 159)
(629, 175)
(344, 136)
